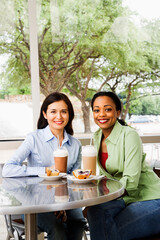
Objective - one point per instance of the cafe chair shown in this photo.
(15, 228)
(86, 232)
(156, 167)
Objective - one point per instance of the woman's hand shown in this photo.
(62, 215)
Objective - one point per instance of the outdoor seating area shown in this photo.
(95, 194)
(80, 120)
(14, 227)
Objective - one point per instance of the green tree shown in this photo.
(86, 46)
(70, 35)
(124, 67)
(14, 47)
(137, 71)
(79, 87)
(150, 106)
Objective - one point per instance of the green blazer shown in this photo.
(126, 163)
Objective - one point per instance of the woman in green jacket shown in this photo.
(121, 157)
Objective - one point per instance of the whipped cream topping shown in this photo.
(60, 152)
(89, 150)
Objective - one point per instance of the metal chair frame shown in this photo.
(16, 230)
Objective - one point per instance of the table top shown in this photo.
(35, 195)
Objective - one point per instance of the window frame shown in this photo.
(35, 83)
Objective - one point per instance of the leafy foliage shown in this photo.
(145, 106)
(84, 46)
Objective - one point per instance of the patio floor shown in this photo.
(3, 231)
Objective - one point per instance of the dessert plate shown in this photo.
(87, 180)
(52, 178)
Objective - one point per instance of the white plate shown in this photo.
(87, 180)
(52, 178)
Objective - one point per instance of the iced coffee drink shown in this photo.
(89, 156)
(60, 159)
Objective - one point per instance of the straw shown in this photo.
(58, 141)
(91, 140)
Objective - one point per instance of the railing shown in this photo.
(151, 147)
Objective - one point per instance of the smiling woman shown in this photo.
(55, 107)
(105, 115)
(57, 117)
(54, 124)
(120, 156)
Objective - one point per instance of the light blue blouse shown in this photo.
(37, 149)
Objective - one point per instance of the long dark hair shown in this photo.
(115, 99)
(51, 98)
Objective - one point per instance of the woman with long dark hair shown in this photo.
(54, 128)
(55, 97)
(120, 157)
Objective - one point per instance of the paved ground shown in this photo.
(3, 232)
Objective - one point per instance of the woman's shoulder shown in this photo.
(98, 132)
(39, 133)
(129, 129)
(131, 134)
(35, 133)
(74, 140)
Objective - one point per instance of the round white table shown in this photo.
(31, 195)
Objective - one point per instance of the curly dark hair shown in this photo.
(51, 98)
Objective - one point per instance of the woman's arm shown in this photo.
(133, 161)
(15, 166)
